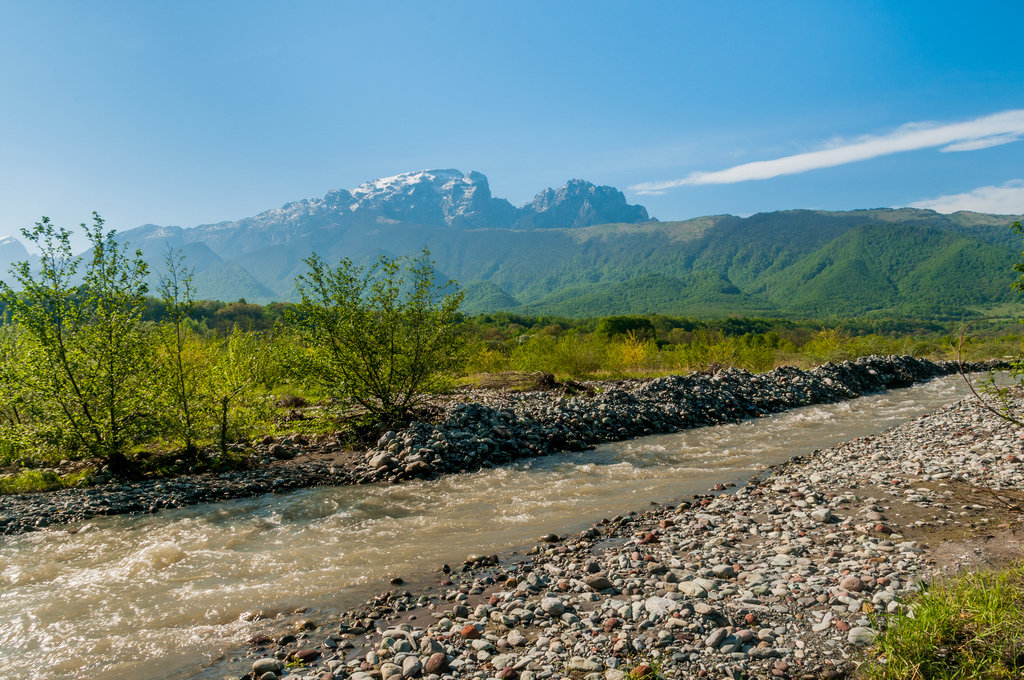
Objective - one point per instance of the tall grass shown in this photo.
(579, 355)
(969, 627)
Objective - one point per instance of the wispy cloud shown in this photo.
(1007, 199)
(980, 133)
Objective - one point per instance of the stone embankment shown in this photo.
(496, 429)
(790, 576)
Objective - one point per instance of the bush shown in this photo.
(383, 338)
(86, 355)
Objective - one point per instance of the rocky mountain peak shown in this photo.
(579, 204)
(431, 197)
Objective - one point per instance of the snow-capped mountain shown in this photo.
(258, 257)
(428, 198)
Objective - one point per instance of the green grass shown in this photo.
(28, 481)
(970, 626)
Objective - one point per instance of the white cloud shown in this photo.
(980, 133)
(1005, 200)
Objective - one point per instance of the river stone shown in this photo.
(704, 609)
(552, 606)
(437, 664)
(823, 515)
(307, 655)
(692, 589)
(460, 611)
(716, 638)
(861, 635)
(578, 663)
(660, 606)
(430, 646)
(261, 666)
(471, 632)
(723, 570)
(381, 460)
(269, 675)
(598, 582)
(852, 583)
(411, 667)
(516, 639)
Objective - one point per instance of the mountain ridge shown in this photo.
(583, 248)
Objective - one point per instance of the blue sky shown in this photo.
(186, 113)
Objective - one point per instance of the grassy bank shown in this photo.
(966, 627)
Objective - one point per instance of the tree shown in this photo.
(382, 337)
(87, 353)
(1001, 395)
(612, 326)
(184, 361)
(241, 362)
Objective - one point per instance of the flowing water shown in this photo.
(161, 596)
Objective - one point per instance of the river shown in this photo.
(162, 596)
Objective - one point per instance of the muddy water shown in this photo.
(161, 596)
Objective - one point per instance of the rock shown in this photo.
(268, 676)
(823, 515)
(430, 646)
(411, 667)
(516, 639)
(724, 571)
(597, 582)
(852, 584)
(307, 655)
(261, 666)
(381, 460)
(437, 664)
(420, 468)
(861, 635)
(578, 663)
(692, 589)
(281, 452)
(705, 609)
(642, 672)
(471, 632)
(660, 606)
(552, 606)
(716, 638)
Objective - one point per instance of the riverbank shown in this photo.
(484, 431)
(790, 576)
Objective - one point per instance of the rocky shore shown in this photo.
(790, 576)
(494, 429)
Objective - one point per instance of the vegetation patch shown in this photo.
(969, 626)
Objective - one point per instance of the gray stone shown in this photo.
(411, 667)
(552, 606)
(578, 663)
(716, 638)
(261, 666)
(861, 635)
